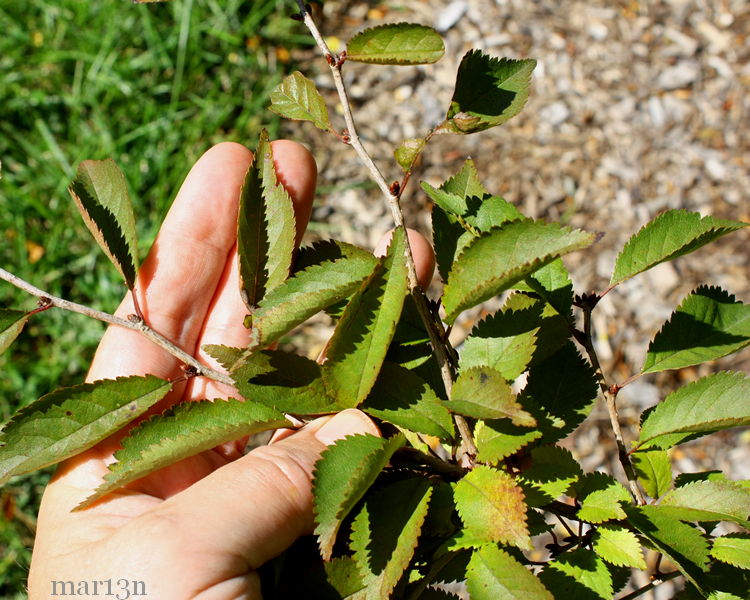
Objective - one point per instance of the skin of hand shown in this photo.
(199, 528)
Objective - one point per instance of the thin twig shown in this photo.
(649, 586)
(430, 322)
(610, 397)
(136, 325)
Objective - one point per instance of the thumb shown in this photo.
(258, 505)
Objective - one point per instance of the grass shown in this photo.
(152, 86)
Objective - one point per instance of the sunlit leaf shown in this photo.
(403, 398)
(12, 323)
(306, 293)
(265, 228)
(396, 44)
(578, 575)
(504, 341)
(619, 546)
(285, 381)
(296, 97)
(601, 497)
(733, 549)
(488, 92)
(364, 332)
(709, 501)
(498, 439)
(681, 543)
(101, 195)
(708, 324)
(493, 574)
(553, 469)
(654, 471)
(385, 533)
(492, 507)
(710, 404)
(483, 393)
(495, 261)
(671, 234)
(408, 151)
(184, 430)
(342, 476)
(70, 420)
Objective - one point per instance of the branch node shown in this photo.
(190, 371)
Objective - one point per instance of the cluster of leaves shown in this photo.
(404, 514)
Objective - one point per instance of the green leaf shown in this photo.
(654, 471)
(553, 470)
(396, 44)
(342, 475)
(493, 574)
(488, 92)
(361, 339)
(552, 283)
(12, 323)
(498, 439)
(483, 393)
(708, 324)
(671, 234)
(296, 97)
(709, 501)
(265, 228)
(408, 151)
(600, 496)
(492, 507)
(70, 420)
(182, 431)
(733, 549)
(455, 193)
(306, 293)
(491, 212)
(405, 399)
(619, 546)
(101, 195)
(710, 404)
(681, 543)
(495, 261)
(504, 341)
(560, 392)
(578, 575)
(285, 381)
(385, 533)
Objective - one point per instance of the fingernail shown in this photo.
(347, 422)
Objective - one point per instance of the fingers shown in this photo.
(296, 170)
(177, 283)
(424, 257)
(259, 504)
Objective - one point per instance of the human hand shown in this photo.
(202, 527)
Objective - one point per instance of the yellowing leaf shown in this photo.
(492, 507)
